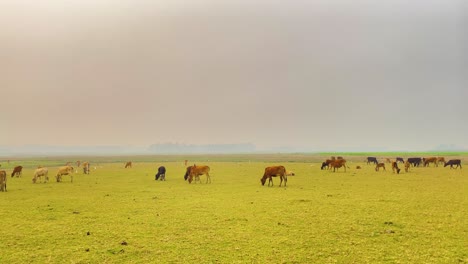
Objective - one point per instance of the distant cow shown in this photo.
(426, 161)
(453, 162)
(17, 171)
(398, 159)
(388, 160)
(274, 171)
(39, 173)
(128, 164)
(395, 167)
(372, 160)
(441, 160)
(161, 174)
(338, 163)
(380, 165)
(3, 179)
(358, 167)
(407, 166)
(415, 161)
(78, 163)
(85, 167)
(65, 170)
(197, 171)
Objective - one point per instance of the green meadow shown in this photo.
(118, 215)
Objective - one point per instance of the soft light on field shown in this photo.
(361, 216)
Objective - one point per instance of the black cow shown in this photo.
(161, 174)
(415, 161)
(398, 159)
(372, 159)
(453, 162)
(187, 172)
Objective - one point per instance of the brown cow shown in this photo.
(274, 172)
(197, 171)
(17, 171)
(426, 161)
(380, 165)
(78, 163)
(128, 164)
(3, 179)
(39, 173)
(395, 167)
(65, 170)
(407, 166)
(441, 159)
(338, 163)
(358, 167)
(327, 163)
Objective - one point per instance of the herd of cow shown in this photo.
(339, 162)
(193, 173)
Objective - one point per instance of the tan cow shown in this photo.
(407, 166)
(65, 170)
(274, 171)
(338, 163)
(426, 161)
(85, 167)
(380, 165)
(290, 173)
(128, 164)
(198, 170)
(3, 179)
(39, 173)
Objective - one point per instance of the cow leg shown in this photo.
(208, 177)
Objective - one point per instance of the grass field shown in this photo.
(117, 215)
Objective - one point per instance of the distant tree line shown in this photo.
(167, 148)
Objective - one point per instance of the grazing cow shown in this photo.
(39, 173)
(274, 171)
(398, 159)
(85, 167)
(388, 160)
(407, 166)
(197, 171)
(338, 163)
(65, 170)
(161, 174)
(395, 167)
(358, 167)
(453, 162)
(78, 163)
(339, 157)
(372, 159)
(3, 179)
(327, 163)
(128, 164)
(415, 161)
(186, 162)
(187, 172)
(426, 161)
(17, 171)
(441, 160)
(290, 173)
(380, 165)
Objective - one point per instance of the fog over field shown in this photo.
(280, 75)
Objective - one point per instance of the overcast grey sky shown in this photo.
(310, 75)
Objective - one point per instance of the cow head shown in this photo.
(263, 180)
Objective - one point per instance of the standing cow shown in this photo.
(39, 173)
(372, 160)
(197, 171)
(274, 171)
(128, 164)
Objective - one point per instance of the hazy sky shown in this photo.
(315, 75)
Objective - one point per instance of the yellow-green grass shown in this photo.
(361, 216)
